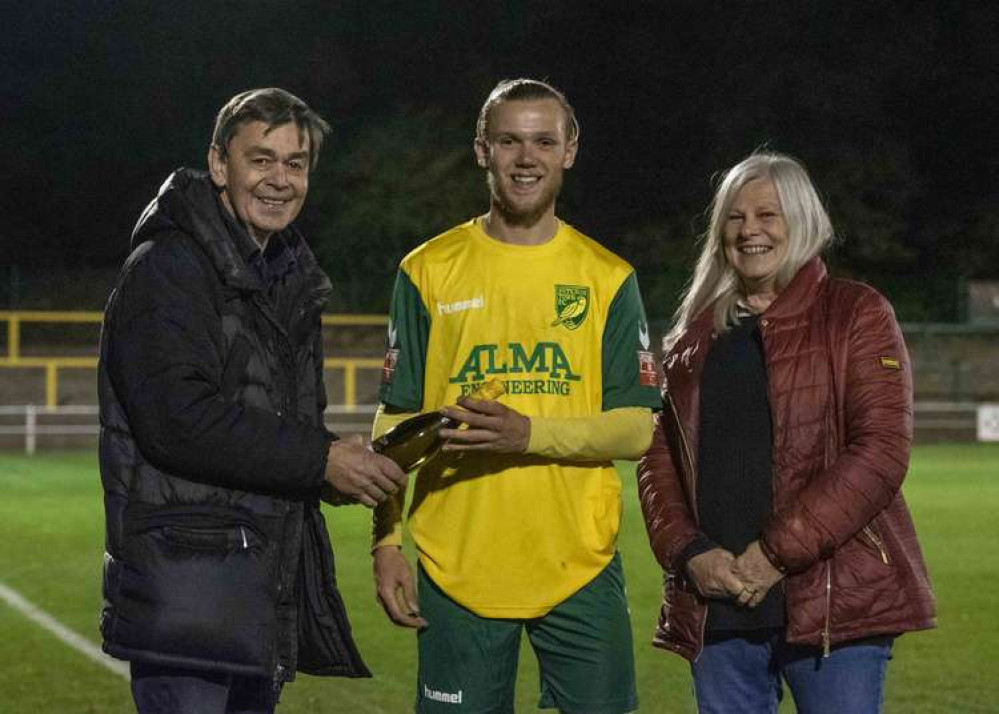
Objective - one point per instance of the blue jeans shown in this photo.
(170, 690)
(741, 673)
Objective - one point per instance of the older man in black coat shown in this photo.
(219, 581)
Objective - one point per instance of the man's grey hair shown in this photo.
(274, 107)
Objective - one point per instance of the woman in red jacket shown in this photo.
(771, 490)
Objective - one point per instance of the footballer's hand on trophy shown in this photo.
(394, 587)
(359, 475)
(492, 427)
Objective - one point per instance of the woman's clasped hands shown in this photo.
(746, 579)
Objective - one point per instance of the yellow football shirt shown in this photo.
(562, 325)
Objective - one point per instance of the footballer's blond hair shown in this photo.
(525, 90)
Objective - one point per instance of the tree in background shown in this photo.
(397, 182)
(890, 105)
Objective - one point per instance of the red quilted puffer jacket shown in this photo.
(840, 392)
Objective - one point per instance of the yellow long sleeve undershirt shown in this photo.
(622, 433)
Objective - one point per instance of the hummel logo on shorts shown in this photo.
(446, 697)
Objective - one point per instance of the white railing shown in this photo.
(31, 421)
(945, 416)
(31, 429)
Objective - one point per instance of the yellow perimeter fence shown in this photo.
(53, 365)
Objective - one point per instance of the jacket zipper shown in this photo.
(880, 544)
(704, 628)
(279, 678)
(686, 453)
(285, 357)
(693, 495)
(825, 630)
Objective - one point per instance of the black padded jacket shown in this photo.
(212, 453)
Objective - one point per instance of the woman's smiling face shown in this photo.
(756, 236)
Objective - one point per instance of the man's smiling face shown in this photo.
(264, 176)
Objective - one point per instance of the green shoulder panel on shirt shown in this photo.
(629, 370)
(405, 356)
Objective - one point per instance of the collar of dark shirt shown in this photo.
(275, 261)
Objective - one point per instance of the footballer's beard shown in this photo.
(523, 217)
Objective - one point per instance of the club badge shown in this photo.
(572, 304)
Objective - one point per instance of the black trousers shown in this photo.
(169, 690)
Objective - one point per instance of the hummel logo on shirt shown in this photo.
(446, 308)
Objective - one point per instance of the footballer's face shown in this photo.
(526, 152)
(264, 176)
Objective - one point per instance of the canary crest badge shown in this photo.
(890, 363)
(572, 303)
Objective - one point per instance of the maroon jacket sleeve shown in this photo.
(668, 518)
(874, 421)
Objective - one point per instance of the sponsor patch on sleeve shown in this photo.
(890, 363)
(388, 367)
(647, 369)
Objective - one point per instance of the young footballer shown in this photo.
(516, 521)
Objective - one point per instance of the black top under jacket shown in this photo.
(735, 462)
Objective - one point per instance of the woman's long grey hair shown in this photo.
(714, 279)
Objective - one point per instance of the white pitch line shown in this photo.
(78, 643)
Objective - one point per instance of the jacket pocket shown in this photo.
(227, 539)
(872, 539)
(199, 584)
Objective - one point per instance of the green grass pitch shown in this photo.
(51, 527)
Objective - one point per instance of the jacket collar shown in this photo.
(797, 297)
(801, 292)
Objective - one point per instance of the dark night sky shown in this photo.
(892, 105)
